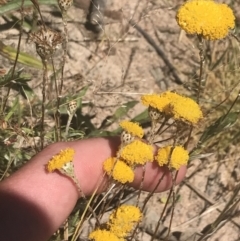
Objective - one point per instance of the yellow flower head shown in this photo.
(122, 220)
(179, 157)
(174, 105)
(186, 109)
(133, 128)
(136, 152)
(103, 235)
(58, 161)
(160, 102)
(210, 19)
(119, 170)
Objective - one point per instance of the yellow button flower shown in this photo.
(174, 105)
(133, 128)
(179, 157)
(58, 161)
(136, 152)
(207, 18)
(122, 220)
(103, 235)
(186, 109)
(160, 102)
(118, 170)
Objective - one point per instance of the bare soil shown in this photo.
(119, 65)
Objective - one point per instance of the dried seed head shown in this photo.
(154, 114)
(72, 107)
(64, 5)
(126, 138)
(47, 41)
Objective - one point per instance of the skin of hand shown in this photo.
(34, 203)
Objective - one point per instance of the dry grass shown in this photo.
(102, 80)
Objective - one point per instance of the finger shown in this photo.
(90, 156)
(45, 200)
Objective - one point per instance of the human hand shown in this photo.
(34, 203)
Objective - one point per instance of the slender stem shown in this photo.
(189, 137)
(35, 3)
(173, 204)
(155, 132)
(65, 45)
(161, 216)
(16, 58)
(87, 208)
(146, 201)
(202, 60)
(152, 132)
(141, 185)
(66, 233)
(57, 113)
(224, 215)
(72, 108)
(70, 116)
(170, 193)
(59, 91)
(236, 37)
(45, 78)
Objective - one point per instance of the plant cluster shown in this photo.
(172, 119)
(166, 110)
(121, 223)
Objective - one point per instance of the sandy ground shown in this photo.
(120, 65)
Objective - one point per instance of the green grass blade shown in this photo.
(119, 113)
(14, 108)
(16, 4)
(23, 58)
(222, 123)
(142, 118)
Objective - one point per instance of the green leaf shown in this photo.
(13, 109)
(24, 89)
(28, 92)
(77, 135)
(17, 81)
(222, 123)
(142, 118)
(119, 113)
(77, 97)
(102, 133)
(123, 110)
(16, 4)
(23, 58)
(17, 77)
